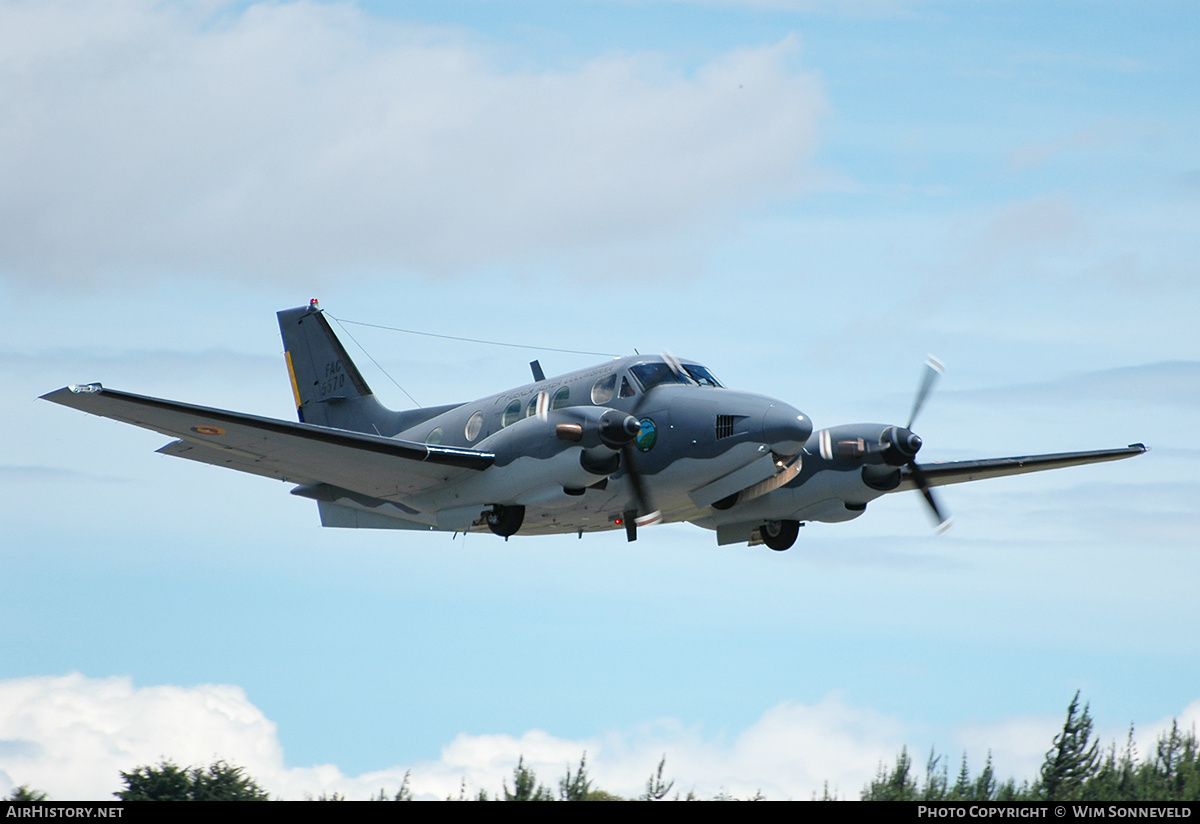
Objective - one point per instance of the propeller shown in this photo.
(907, 443)
(641, 496)
(934, 369)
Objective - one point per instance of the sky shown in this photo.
(807, 197)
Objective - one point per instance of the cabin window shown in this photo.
(604, 389)
(473, 426)
(512, 414)
(435, 437)
(561, 398)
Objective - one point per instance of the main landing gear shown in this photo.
(505, 520)
(779, 535)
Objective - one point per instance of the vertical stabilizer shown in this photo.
(327, 386)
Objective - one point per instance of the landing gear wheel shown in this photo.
(505, 520)
(779, 535)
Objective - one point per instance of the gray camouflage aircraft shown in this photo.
(633, 441)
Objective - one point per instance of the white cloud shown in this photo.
(299, 137)
(789, 752)
(72, 735)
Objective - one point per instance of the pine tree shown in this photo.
(24, 794)
(1073, 759)
(936, 781)
(221, 781)
(576, 787)
(656, 789)
(985, 784)
(897, 785)
(525, 786)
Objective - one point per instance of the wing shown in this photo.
(373, 465)
(958, 472)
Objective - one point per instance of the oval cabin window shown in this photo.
(473, 426)
(604, 389)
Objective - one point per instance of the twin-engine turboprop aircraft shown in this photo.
(632, 441)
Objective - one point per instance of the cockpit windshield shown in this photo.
(650, 375)
(701, 375)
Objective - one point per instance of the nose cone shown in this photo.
(785, 428)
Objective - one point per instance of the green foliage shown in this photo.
(603, 795)
(896, 785)
(402, 794)
(166, 782)
(221, 781)
(24, 793)
(525, 786)
(825, 794)
(724, 796)
(1073, 770)
(1073, 759)
(937, 782)
(576, 787)
(656, 789)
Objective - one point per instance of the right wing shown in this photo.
(379, 467)
(958, 472)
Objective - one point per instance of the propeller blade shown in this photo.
(639, 491)
(675, 365)
(943, 521)
(934, 369)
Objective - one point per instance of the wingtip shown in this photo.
(1140, 447)
(72, 389)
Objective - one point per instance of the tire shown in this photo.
(505, 520)
(779, 535)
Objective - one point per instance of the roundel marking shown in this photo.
(648, 436)
(208, 430)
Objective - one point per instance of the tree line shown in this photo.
(1075, 769)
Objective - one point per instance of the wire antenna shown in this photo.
(473, 340)
(372, 357)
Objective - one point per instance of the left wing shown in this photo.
(958, 472)
(385, 468)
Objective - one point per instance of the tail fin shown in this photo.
(328, 388)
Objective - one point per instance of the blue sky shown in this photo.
(807, 197)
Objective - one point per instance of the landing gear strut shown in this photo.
(505, 520)
(779, 535)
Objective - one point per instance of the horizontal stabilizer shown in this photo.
(349, 517)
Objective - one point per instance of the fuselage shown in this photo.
(693, 433)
